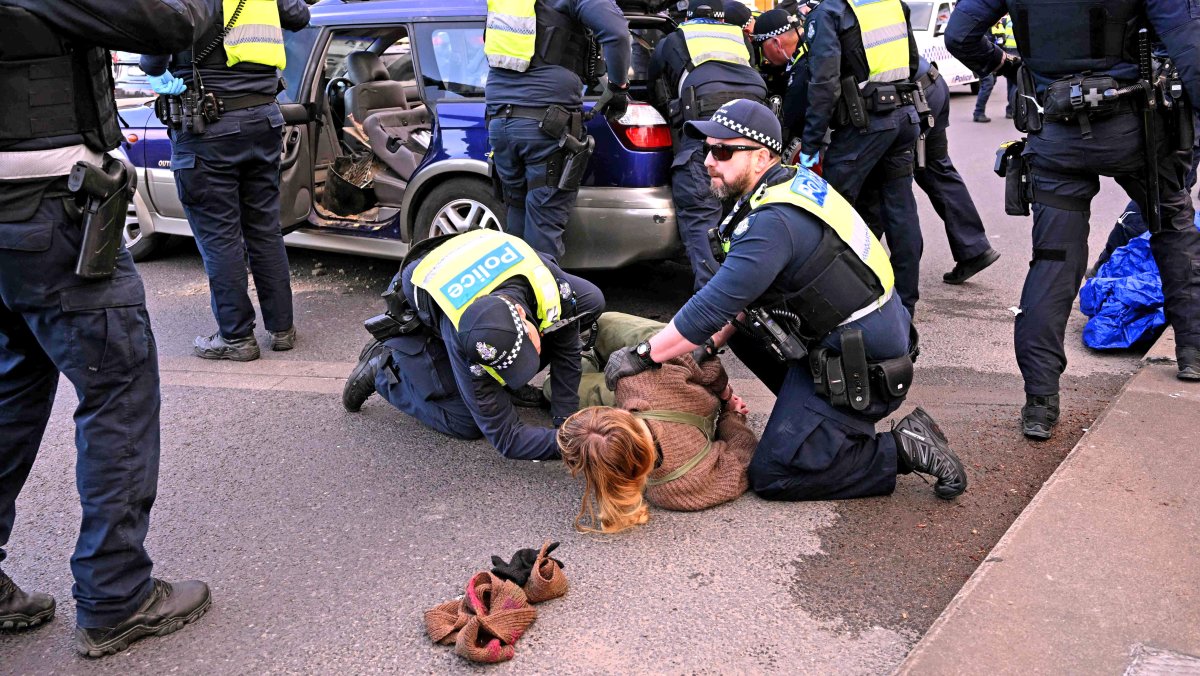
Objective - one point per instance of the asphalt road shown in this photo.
(325, 534)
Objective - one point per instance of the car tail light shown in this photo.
(642, 128)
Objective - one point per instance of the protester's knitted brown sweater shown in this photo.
(682, 385)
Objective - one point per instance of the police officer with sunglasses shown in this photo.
(805, 299)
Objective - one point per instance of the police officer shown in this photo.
(228, 174)
(944, 186)
(95, 331)
(1002, 35)
(490, 313)
(796, 249)
(780, 40)
(540, 56)
(862, 57)
(695, 70)
(1058, 43)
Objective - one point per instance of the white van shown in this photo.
(929, 19)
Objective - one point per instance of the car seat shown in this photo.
(373, 89)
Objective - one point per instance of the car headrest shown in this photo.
(365, 67)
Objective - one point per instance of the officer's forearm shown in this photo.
(967, 40)
(669, 343)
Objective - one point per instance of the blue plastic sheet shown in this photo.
(1124, 299)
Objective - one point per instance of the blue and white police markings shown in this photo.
(465, 286)
(808, 184)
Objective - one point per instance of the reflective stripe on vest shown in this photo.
(256, 36)
(713, 41)
(884, 37)
(20, 165)
(510, 38)
(814, 195)
(474, 264)
(1010, 40)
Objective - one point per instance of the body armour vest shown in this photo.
(474, 263)
(52, 87)
(1068, 37)
(524, 33)
(848, 275)
(224, 53)
(884, 33)
(714, 41)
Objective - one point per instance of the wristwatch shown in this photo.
(642, 351)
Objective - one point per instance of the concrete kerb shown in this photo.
(1094, 572)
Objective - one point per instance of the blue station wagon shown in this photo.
(385, 142)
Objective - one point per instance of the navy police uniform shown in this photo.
(522, 151)
(882, 152)
(228, 179)
(1061, 40)
(433, 374)
(95, 332)
(714, 82)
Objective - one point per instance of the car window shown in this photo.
(297, 47)
(389, 42)
(919, 15)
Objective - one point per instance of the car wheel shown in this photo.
(142, 245)
(458, 205)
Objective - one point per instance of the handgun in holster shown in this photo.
(103, 193)
(577, 153)
(852, 98)
(399, 319)
(1011, 166)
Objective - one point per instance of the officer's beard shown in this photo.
(723, 188)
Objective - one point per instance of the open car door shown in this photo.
(295, 168)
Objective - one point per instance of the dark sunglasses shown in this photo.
(723, 152)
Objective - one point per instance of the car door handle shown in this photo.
(291, 148)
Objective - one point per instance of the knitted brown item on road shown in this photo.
(498, 614)
(443, 621)
(547, 581)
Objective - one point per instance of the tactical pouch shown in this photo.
(1070, 98)
(855, 370)
(555, 122)
(1026, 117)
(892, 379)
(883, 99)
(856, 109)
(1012, 167)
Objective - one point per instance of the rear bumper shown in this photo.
(613, 227)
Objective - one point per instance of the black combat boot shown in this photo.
(921, 447)
(19, 610)
(528, 396)
(972, 266)
(168, 608)
(1039, 415)
(282, 341)
(1188, 359)
(361, 383)
(217, 346)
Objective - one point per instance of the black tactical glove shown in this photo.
(705, 352)
(521, 567)
(623, 363)
(613, 102)
(1008, 67)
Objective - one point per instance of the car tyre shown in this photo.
(142, 245)
(458, 205)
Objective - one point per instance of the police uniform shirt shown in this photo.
(544, 84)
(1175, 22)
(241, 79)
(766, 252)
(825, 29)
(490, 406)
(670, 62)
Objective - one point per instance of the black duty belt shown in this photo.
(926, 81)
(246, 101)
(525, 112)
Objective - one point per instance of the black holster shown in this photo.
(852, 102)
(848, 380)
(399, 319)
(104, 193)
(1026, 116)
(1014, 169)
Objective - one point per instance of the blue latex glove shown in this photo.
(809, 161)
(166, 84)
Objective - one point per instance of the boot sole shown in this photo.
(1188, 376)
(362, 365)
(1035, 434)
(226, 356)
(936, 429)
(23, 622)
(139, 632)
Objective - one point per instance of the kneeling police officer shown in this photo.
(823, 327)
(71, 302)
(471, 318)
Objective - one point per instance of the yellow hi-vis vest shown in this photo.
(711, 41)
(510, 36)
(474, 263)
(813, 194)
(884, 37)
(1010, 40)
(256, 36)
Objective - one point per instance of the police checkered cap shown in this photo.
(773, 23)
(491, 333)
(740, 118)
(710, 9)
(737, 14)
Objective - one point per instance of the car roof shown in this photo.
(370, 11)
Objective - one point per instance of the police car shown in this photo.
(928, 19)
(421, 129)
